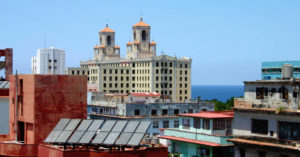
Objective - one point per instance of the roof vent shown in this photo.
(287, 71)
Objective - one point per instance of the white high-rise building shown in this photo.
(48, 61)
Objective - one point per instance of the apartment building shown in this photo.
(202, 134)
(143, 106)
(272, 70)
(266, 120)
(48, 61)
(140, 71)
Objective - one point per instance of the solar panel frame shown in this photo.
(52, 136)
(123, 138)
(87, 137)
(143, 126)
(108, 125)
(131, 126)
(136, 139)
(63, 137)
(111, 138)
(96, 124)
(100, 137)
(72, 124)
(76, 136)
(84, 125)
(62, 123)
(119, 126)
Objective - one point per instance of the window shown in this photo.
(176, 124)
(166, 124)
(190, 111)
(108, 40)
(176, 111)
(144, 35)
(289, 131)
(116, 78)
(261, 92)
(197, 123)
(242, 152)
(155, 124)
(171, 65)
(219, 124)
(206, 124)
(186, 123)
(164, 112)
(116, 71)
(259, 126)
(284, 93)
(153, 112)
(104, 71)
(261, 154)
(136, 112)
(185, 65)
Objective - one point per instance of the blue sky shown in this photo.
(227, 40)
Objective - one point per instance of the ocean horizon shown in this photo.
(219, 92)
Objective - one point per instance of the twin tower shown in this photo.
(140, 47)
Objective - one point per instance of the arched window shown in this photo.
(144, 36)
(134, 36)
(108, 40)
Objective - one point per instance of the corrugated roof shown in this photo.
(4, 84)
(210, 114)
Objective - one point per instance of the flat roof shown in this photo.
(210, 114)
(211, 144)
(262, 144)
(288, 81)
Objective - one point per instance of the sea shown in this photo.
(219, 92)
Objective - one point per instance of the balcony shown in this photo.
(222, 140)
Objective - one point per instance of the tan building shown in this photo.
(141, 70)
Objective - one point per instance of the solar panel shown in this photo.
(61, 124)
(124, 138)
(72, 124)
(86, 138)
(136, 139)
(84, 124)
(63, 137)
(101, 136)
(108, 125)
(119, 126)
(131, 126)
(143, 127)
(52, 136)
(111, 138)
(95, 125)
(76, 137)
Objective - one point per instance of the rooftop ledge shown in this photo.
(267, 142)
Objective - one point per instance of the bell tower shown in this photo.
(141, 47)
(107, 49)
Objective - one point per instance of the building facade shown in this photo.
(202, 134)
(48, 61)
(142, 106)
(140, 71)
(36, 104)
(266, 120)
(272, 70)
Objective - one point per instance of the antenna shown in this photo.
(44, 40)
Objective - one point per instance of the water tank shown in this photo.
(287, 71)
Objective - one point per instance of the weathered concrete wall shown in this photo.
(242, 122)
(273, 100)
(46, 99)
